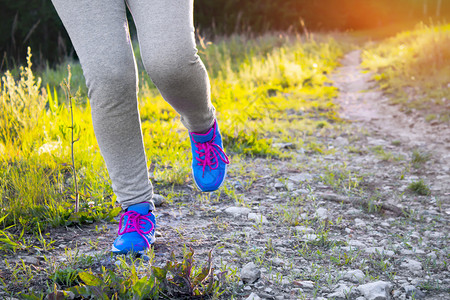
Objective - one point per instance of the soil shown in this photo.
(327, 215)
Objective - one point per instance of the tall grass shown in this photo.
(265, 88)
(414, 67)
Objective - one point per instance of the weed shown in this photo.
(419, 158)
(419, 187)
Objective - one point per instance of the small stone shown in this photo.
(31, 260)
(341, 141)
(341, 292)
(247, 288)
(432, 255)
(158, 200)
(413, 292)
(258, 218)
(279, 185)
(379, 290)
(379, 250)
(356, 244)
(253, 296)
(360, 223)
(279, 297)
(321, 213)
(354, 275)
(310, 237)
(237, 211)
(309, 285)
(250, 273)
(284, 145)
(298, 178)
(412, 265)
(268, 290)
(304, 229)
(277, 261)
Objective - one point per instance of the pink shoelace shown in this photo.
(210, 153)
(135, 223)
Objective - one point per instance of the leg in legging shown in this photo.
(99, 32)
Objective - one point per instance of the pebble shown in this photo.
(309, 285)
(413, 292)
(379, 250)
(342, 291)
(253, 296)
(378, 290)
(277, 261)
(310, 237)
(356, 243)
(300, 177)
(304, 229)
(158, 200)
(354, 275)
(412, 265)
(258, 218)
(250, 273)
(321, 213)
(360, 223)
(237, 211)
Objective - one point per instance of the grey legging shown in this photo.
(99, 32)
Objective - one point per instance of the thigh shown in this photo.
(164, 26)
(99, 33)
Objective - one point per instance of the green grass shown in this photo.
(264, 88)
(414, 67)
(419, 187)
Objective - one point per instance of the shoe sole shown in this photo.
(223, 181)
(118, 251)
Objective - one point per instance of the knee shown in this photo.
(172, 64)
(109, 82)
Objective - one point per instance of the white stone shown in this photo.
(360, 223)
(278, 261)
(411, 291)
(253, 296)
(237, 211)
(300, 177)
(306, 284)
(158, 200)
(356, 243)
(379, 250)
(310, 237)
(250, 273)
(49, 147)
(304, 229)
(412, 265)
(354, 275)
(341, 292)
(379, 290)
(321, 213)
(258, 218)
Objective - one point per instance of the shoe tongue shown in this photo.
(141, 208)
(203, 138)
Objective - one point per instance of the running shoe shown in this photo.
(209, 161)
(136, 230)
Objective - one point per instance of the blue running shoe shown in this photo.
(136, 230)
(209, 161)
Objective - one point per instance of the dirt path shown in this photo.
(361, 102)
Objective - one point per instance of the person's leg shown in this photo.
(167, 42)
(166, 38)
(99, 32)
